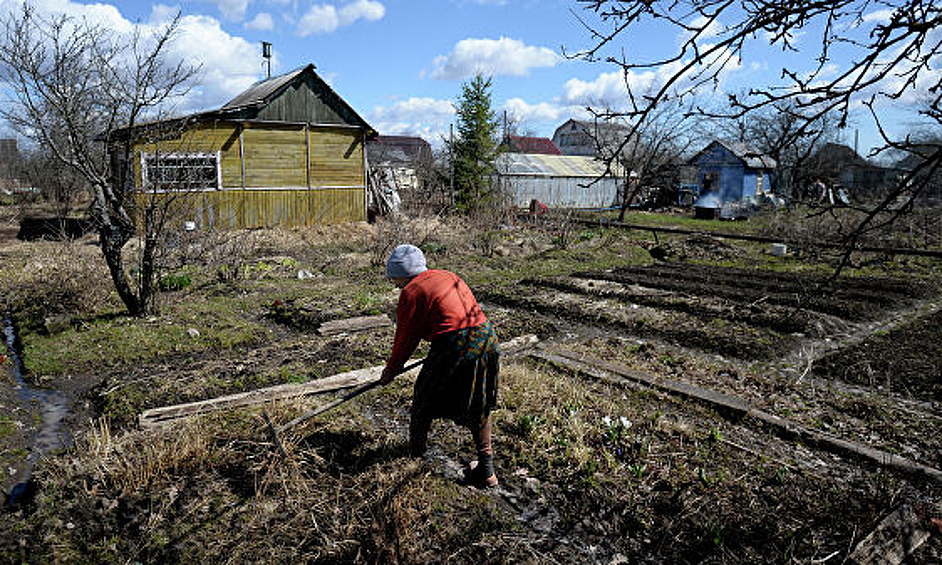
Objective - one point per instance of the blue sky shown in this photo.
(400, 63)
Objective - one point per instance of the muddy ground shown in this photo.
(594, 467)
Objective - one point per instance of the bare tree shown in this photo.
(893, 48)
(60, 185)
(650, 159)
(70, 84)
(769, 128)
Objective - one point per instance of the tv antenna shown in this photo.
(266, 53)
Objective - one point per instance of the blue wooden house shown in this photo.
(730, 172)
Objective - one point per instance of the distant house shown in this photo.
(562, 181)
(578, 137)
(928, 177)
(730, 172)
(530, 145)
(286, 152)
(840, 166)
(396, 163)
(398, 149)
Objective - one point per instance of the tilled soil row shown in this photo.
(730, 339)
(903, 360)
(799, 298)
(776, 318)
(870, 289)
(698, 480)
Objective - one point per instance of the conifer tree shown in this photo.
(476, 146)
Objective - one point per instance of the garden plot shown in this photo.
(594, 468)
(822, 354)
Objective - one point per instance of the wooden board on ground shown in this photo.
(350, 325)
(731, 405)
(159, 416)
(898, 535)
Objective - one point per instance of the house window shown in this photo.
(181, 171)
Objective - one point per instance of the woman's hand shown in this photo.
(387, 376)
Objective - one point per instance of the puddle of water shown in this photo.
(53, 405)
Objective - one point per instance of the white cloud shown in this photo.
(611, 89)
(492, 57)
(528, 113)
(233, 9)
(229, 64)
(425, 117)
(162, 13)
(261, 22)
(321, 18)
(711, 29)
(880, 16)
(362, 9)
(325, 18)
(607, 88)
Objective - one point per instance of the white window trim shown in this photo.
(217, 155)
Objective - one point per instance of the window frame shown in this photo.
(147, 169)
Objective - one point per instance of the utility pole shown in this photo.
(451, 159)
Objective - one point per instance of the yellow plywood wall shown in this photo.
(280, 189)
(336, 158)
(275, 157)
(262, 208)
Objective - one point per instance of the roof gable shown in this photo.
(748, 156)
(836, 152)
(602, 128)
(297, 96)
(398, 149)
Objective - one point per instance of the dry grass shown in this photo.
(131, 463)
(46, 278)
(589, 469)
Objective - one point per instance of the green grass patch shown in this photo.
(7, 426)
(115, 340)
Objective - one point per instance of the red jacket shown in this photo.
(433, 303)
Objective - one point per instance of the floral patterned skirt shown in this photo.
(459, 378)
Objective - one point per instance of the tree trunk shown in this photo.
(112, 240)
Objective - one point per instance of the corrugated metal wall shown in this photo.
(566, 192)
(556, 180)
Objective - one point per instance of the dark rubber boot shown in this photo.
(418, 436)
(481, 473)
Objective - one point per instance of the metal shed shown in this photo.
(556, 180)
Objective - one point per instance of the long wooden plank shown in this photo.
(358, 324)
(739, 408)
(158, 416)
(898, 535)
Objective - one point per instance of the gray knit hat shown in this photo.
(405, 261)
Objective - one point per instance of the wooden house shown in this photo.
(286, 152)
(589, 139)
(839, 166)
(732, 172)
(398, 168)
